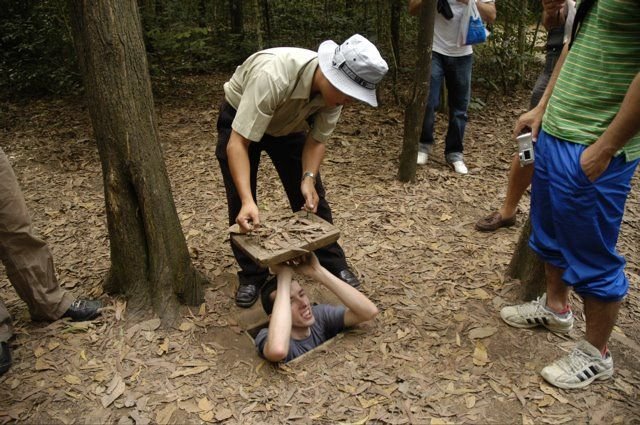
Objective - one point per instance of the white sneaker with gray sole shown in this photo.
(535, 313)
(579, 368)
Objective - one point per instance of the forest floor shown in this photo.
(437, 353)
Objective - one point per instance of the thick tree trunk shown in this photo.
(414, 112)
(526, 266)
(150, 262)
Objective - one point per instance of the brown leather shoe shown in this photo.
(494, 221)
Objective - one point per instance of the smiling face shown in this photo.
(301, 314)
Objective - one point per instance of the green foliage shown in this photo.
(200, 36)
(507, 59)
(36, 53)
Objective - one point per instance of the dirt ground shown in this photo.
(437, 353)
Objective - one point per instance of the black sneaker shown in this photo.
(81, 310)
(5, 357)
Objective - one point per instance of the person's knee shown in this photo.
(612, 291)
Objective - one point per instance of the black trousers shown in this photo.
(286, 154)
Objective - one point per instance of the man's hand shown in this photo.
(594, 161)
(282, 270)
(552, 6)
(311, 198)
(310, 266)
(249, 217)
(532, 120)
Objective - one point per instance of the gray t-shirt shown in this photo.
(329, 323)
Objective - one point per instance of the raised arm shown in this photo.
(554, 13)
(277, 346)
(359, 307)
(487, 11)
(414, 7)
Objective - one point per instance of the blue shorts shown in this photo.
(575, 223)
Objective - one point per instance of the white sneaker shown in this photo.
(579, 368)
(535, 313)
(422, 158)
(459, 167)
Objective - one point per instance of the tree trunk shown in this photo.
(414, 112)
(522, 39)
(150, 262)
(526, 266)
(266, 14)
(258, 26)
(237, 18)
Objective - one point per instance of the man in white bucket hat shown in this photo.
(286, 101)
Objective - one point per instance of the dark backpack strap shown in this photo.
(581, 13)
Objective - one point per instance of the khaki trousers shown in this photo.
(26, 257)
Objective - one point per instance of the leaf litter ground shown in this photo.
(438, 352)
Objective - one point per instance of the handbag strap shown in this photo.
(581, 13)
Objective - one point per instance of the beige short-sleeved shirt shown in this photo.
(271, 92)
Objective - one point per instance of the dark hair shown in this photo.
(265, 294)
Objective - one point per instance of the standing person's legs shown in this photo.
(433, 101)
(586, 218)
(519, 177)
(286, 155)
(551, 310)
(458, 79)
(26, 257)
(250, 276)
(519, 181)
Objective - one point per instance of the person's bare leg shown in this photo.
(601, 318)
(519, 181)
(557, 290)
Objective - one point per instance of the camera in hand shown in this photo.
(525, 149)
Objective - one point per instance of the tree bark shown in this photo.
(414, 112)
(526, 266)
(266, 14)
(236, 13)
(150, 262)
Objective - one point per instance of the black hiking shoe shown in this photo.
(81, 310)
(5, 357)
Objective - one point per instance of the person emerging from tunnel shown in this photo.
(296, 326)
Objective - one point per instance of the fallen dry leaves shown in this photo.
(438, 352)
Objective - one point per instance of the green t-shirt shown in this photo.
(596, 75)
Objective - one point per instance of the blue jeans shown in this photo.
(456, 72)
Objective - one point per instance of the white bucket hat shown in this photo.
(354, 67)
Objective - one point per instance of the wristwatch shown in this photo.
(309, 174)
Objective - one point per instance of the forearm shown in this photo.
(487, 11)
(238, 157)
(414, 7)
(279, 336)
(626, 124)
(312, 155)
(554, 14)
(358, 304)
